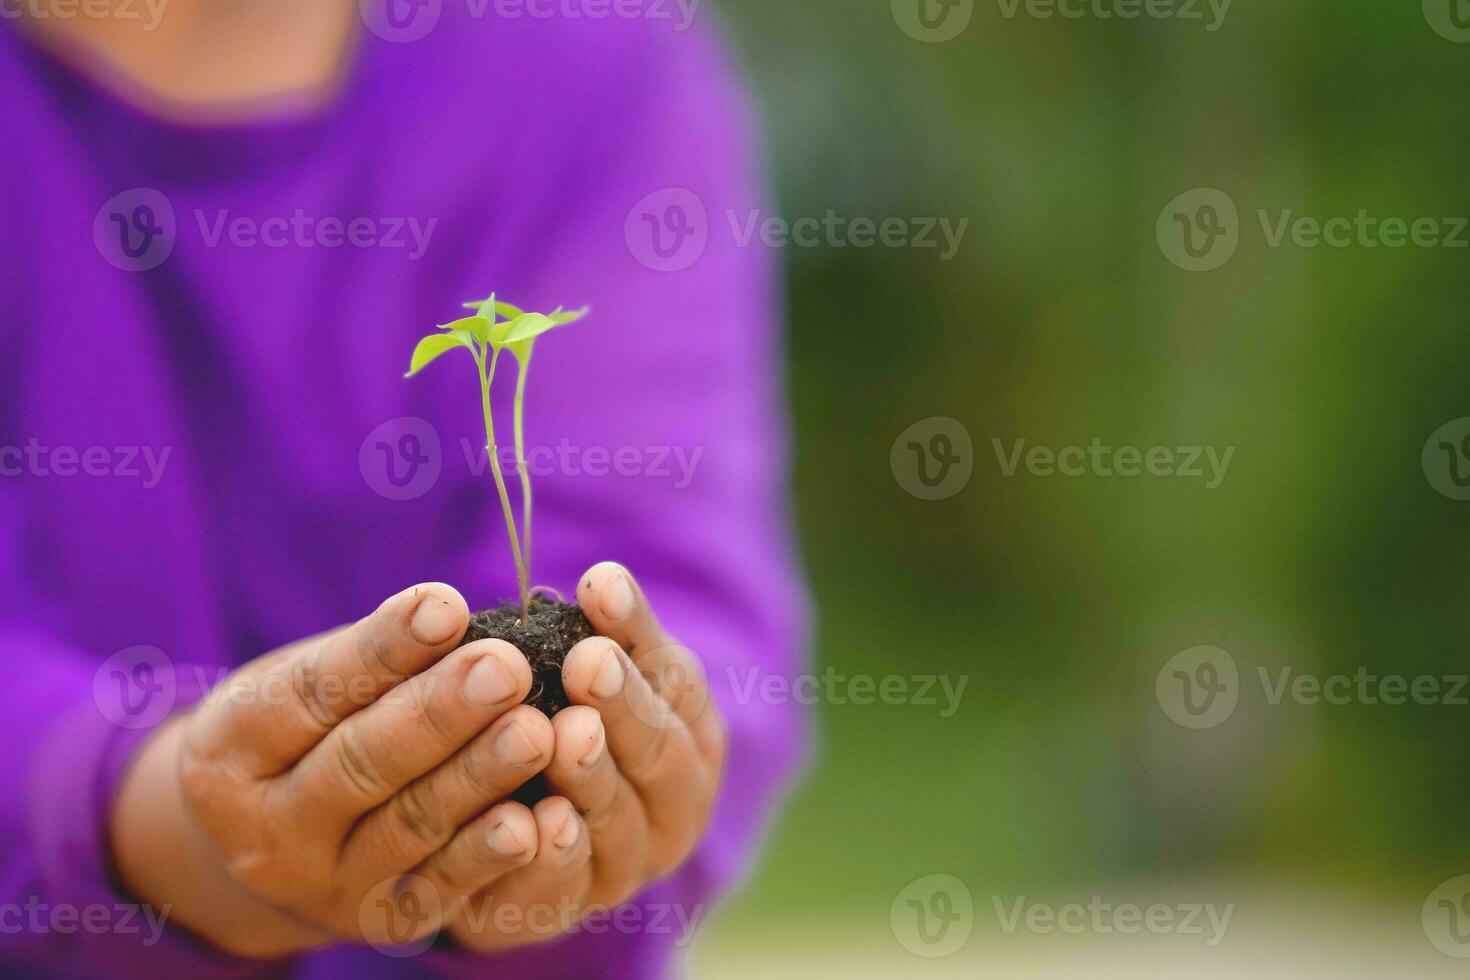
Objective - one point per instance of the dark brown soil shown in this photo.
(555, 627)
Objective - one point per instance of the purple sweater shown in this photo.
(207, 446)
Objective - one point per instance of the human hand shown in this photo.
(285, 811)
(638, 757)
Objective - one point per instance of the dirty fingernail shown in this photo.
(489, 683)
(434, 621)
(617, 599)
(609, 679)
(514, 746)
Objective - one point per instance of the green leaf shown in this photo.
(476, 326)
(562, 317)
(431, 347)
(527, 326)
(506, 310)
(522, 350)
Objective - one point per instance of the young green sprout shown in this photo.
(495, 328)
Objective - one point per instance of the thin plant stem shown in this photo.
(522, 577)
(523, 361)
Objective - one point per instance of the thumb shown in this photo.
(618, 609)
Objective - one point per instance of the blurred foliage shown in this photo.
(1059, 321)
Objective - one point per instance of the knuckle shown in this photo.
(355, 763)
(374, 649)
(601, 817)
(651, 758)
(433, 720)
(415, 811)
(476, 768)
(306, 689)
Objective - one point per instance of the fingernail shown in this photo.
(434, 621)
(609, 679)
(567, 836)
(617, 599)
(504, 841)
(514, 746)
(488, 682)
(594, 753)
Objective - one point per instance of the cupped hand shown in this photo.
(349, 786)
(636, 763)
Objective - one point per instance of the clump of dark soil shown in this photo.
(554, 628)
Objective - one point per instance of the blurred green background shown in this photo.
(1326, 549)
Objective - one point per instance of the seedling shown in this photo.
(542, 629)
(495, 328)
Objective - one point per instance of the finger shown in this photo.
(494, 844)
(272, 712)
(652, 746)
(421, 723)
(541, 900)
(582, 770)
(426, 813)
(618, 609)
